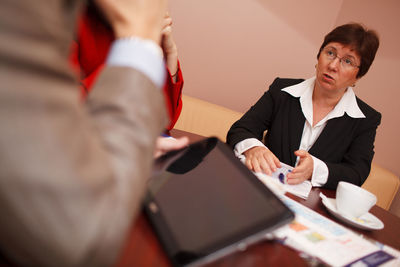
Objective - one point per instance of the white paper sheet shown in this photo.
(301, 190)
(278, 184)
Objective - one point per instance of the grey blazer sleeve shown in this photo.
(72, 174)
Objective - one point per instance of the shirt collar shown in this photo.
(347, 104)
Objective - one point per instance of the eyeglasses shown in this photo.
(346, 62)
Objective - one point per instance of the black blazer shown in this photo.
(346, 144)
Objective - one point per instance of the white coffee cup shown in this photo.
(352, 200)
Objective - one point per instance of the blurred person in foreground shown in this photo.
(317, 125)
(93, 42)
(72, 174)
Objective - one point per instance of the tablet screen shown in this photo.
(207, 200)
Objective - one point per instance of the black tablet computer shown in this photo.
(204, 203)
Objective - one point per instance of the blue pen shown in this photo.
(165, 135)
(282, 178)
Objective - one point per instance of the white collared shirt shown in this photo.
(304, 90)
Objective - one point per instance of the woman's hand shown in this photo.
(261, 159)
(303, 170)
(169, 47)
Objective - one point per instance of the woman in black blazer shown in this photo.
(317, 125)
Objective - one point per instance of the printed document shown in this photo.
(330, 242)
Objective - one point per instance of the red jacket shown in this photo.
(89, 54)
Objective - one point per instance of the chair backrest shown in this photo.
(395, 206)
(204, 118)
(384, 184)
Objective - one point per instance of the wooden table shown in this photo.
(144, 249)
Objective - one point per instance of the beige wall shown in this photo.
(231, 50)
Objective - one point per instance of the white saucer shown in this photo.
(366, 221)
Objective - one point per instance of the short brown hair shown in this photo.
(365, 42)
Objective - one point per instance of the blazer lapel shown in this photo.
(297, 121)
(334, 128)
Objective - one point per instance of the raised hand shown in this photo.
(168, 46)
(141, 18)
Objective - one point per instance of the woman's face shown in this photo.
(337, 68)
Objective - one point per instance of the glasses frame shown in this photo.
(344, 65)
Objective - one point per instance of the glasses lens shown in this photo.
(329, 53)
(345, 62)
(348, 62)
